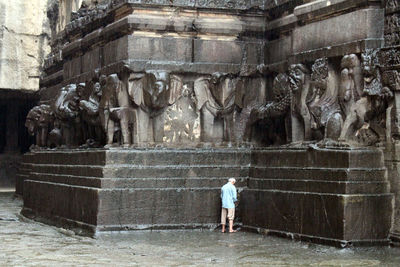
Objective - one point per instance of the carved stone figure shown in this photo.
(39, 121)
(300, 114)
(371, 105)
(273, 113)
(182, 122)
(250, 94)
(351, 82)
(66, 109)
(107, 103)
(90, 115)
(216, 100)
(324, 104)
(151, 93)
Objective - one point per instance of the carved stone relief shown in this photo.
(347, 102)
(182, 121)
(366, 119)
(324, 104)
(300, 114)
(38, 123)
(215, 100)
(152, 93)
(66, 110)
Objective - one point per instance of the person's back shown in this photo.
(228, 197)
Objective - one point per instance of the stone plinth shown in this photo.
(109, 190)
(338, 197)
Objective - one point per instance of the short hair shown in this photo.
(232, 180)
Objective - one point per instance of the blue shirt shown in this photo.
(228, 196)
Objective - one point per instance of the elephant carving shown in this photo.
(216, 102)
(38, 123)
(151, 93)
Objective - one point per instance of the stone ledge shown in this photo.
(323, 8)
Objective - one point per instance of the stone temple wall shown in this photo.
(24, 42)
(315, 80)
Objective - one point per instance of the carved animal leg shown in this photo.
(68, 136)
(158, 128)
(37, 138)
(334, 126)
(356, 117)
(297, 128)
(348, 126)
(124, 121)
(306, 124)
(228, 128)
(43, 136)
(142, 125)
(108, 127)
(207, 125)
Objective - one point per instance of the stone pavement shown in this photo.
(27, 243)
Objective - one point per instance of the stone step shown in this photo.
(66, 157)
(331, 216)
(192, 182)
(134, 183)
(141, 157)
(147, 206)
(180, 156)
(132, 171)
(129, 171)
(325, 174)
(320, 186)
(319, 158)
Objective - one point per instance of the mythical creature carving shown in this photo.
(66, 110)
(90, 113)
(300, 114)
(364, 117)
(324, 104)
(271, 112)
(215, 100)
(38, 122)
(250, 93)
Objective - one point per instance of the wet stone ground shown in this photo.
(27, 243)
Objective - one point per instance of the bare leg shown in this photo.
(231, 227)
(223, 228)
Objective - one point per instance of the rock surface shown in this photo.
(24, 37)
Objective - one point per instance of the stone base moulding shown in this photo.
(332, 196)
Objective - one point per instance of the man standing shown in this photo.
(228, 196)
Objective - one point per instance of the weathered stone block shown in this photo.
(116, 50)
(278, 50)
(91, 60)
(159, 48)
(346, 28)
(217, 51)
